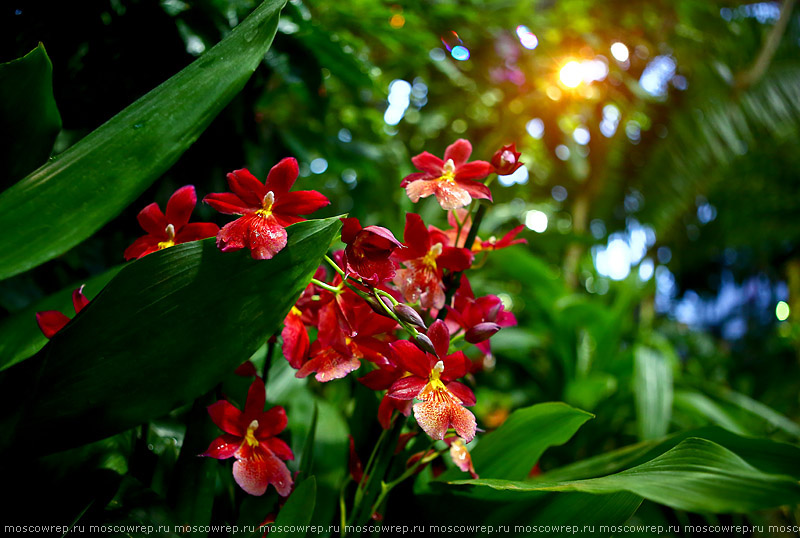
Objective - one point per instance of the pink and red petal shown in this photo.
(451, 195)
(223, 447)
(153, 221)
(247, 187)
(455, 259)
(229, 204)
(196, 231)
(462, 392)
(472, 171)
(255, 474)
(299, 202)
(329, 364)
(282, 176)
(266, 238)
(421, 188)
(180, 206)
(227, 417)
(296, 343)
(234, 235)
(51, 321)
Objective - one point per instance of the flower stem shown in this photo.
(387, 487)
(325, 286)
(334, 265)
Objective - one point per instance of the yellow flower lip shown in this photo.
(449, 171)
(250, 436)
(433, 253)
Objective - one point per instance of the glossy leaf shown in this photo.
(164, 331)
(511, 451)
(29, 118)
(90, 183)
(697, 475)
(652, 391)
(296, 513)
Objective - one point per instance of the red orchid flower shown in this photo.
(168, 230)
(432, 382)
(266, 209)
(305, 313)
(425, 257)
(456, 239)
(368, 250)
(451, 180)
(382, 379)
(336, 353)
(250, 438)
(506, 160)
(52, 321)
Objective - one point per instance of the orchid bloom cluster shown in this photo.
(400, 312)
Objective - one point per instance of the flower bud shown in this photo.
(425, 344)
(377, 307)
(506, 160)
(409, 315)
(481, 331)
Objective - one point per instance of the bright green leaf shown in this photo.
(166, 330)
(72, 196)
(697, 475)
(652, 389)
(296, 513)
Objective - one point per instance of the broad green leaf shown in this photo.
(769, 456)
(652, 389)
(296, 513)
(511, 451)
(72, 196)
(757, 408)
(697, 475)
(29, 118)
(20, 336)
(566, 514)
(166, 330)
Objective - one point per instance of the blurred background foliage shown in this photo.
(659, 289)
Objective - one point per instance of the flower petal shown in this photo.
(253, 475)
(266, 238)
(416, 237)
(440, 337)
(407, 388)
(429, 163)
(411, 358)
(271, 423)
(227, 417)
(350, 227)
(463, 421)
(473, 170)
(196, 231)
(256, 398)
(234, 235)
(296, 343)
(147, 244)
(300, 202)
(282, 176)
(433, 417)
(462, 392)
(455, 259)
(228, 203)
(51, 321)
(79, 300)
(459, 151)
(153, 221)
(475, 189)
(279, 448)
(223, 447)
(451, 195)
(180, 206)
(329, 364)
(380, 379)
(247, 187)
(420, 188)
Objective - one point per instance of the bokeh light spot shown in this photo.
(782, 311)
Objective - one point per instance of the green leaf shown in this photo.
(652, 391)
(20, 336)
(166, 330)
(700, 405)
(511, 451)
(769, 456)
(296, 513)
(697, 475)
(72, 196)
(762, 411)
(29, 118)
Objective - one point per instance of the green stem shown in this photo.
(387, 487)
(325, 286)
(334, 265)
